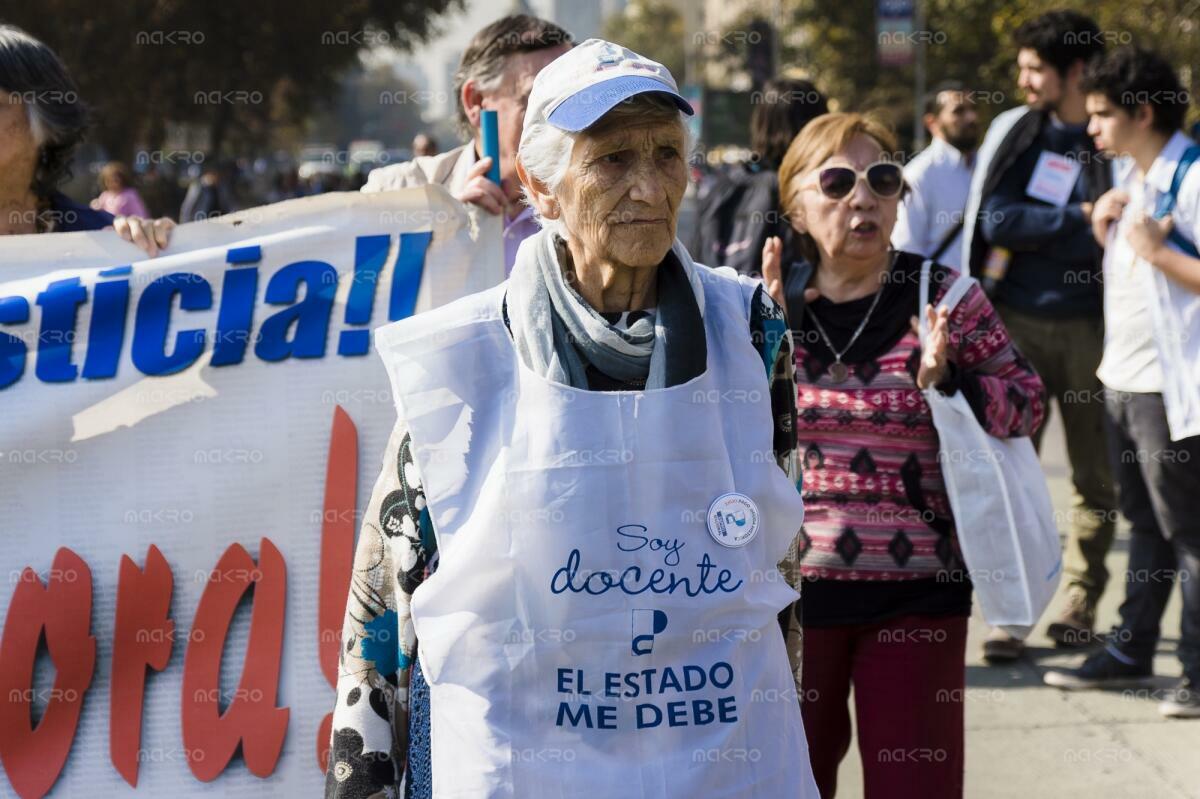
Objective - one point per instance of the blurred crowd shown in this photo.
(190, 192)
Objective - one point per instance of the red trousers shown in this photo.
(908, 676)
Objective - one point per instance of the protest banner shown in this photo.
(184, 446)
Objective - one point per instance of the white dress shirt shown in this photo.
(940, 180)
(1131, 359)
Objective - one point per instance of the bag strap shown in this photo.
(958, 289)
(949, 237)
(1166, 201)
(922, 323)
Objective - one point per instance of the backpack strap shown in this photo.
(1166, 201)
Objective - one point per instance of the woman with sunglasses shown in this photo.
(885, 596)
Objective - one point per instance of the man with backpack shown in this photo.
(1027, 238)
(1150, 225)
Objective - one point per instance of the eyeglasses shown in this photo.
(884, 178)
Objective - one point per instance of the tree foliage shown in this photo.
(653, 28)
(835, 43)
(237, 69)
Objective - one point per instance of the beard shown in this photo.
(1045, 103)
(964, 141)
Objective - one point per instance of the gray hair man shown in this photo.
(495, 73)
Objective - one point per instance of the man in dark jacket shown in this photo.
(1033, 249)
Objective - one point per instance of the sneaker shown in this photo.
(1073, 627)
(1182, 702)
(1101, 670)
(1000, 647)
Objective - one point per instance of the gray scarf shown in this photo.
(558, 335)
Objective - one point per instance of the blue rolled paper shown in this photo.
(489, 128)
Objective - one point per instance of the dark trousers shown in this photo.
(1159, 488)
(1066, 352)
(908, 675)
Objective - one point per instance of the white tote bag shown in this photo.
(1003, 515)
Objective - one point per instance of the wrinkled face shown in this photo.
(857, 227)
(18, 151)
(509, 101)
(1111, 127)
(958, 121)
(1039, 80)
(620, 197)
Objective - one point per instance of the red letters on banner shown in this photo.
(62, 611)
(211, 737)
(337, 556)
(143, 636)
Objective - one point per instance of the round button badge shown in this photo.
(733, 520)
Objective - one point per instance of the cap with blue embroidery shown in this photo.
(583, 84)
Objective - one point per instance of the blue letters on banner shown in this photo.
(12, 349)
(310, 316)
(237, 307)
(106, 333)
(60, 302)
(154, 319)
(370, 254)
(406, 278)
(299, 330)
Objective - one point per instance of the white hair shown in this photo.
(545, 150)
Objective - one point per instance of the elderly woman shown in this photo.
(590, 456)
(42, 121)
(886, 600)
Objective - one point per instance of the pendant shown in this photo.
(838, 372)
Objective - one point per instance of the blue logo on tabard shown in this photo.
(733, 519)
(647, 623)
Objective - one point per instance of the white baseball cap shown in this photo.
(584, 83)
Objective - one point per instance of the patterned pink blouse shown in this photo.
(875, 503)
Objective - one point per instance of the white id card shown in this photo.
(1053, 178)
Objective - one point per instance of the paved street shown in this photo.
(1030, 741)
